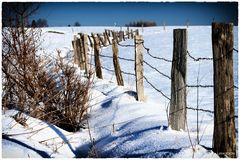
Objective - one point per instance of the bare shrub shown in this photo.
(45, 88)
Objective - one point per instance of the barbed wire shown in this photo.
(199, 86)
(200, 109)
(159, 58)
(110, 70)
(198, 59)
(125, 59)
(156, 88)
(156, 69)
(205, 110)
(126, 45)
(235, 50)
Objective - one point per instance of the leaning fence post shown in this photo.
(76, 50)
(81, 53)
(139, 67)
(178, 103)
(85, 45)
(101, 39)
(132, 34)
(116, 63)
(224, 136)
(90, 40)
(97, 57)
(115, 36)
(137, 32)
(107, 35)
(105, 39)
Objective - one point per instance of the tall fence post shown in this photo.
(139, 67)
(137, 32)
(101, 39)
(85, 46)
(97, 57)
(132, 34)
(178, 103)
(107, 35)
(81, 53)
(105, 39)
(90, 40)
(116, 63)
(115, 36)
(76, 50)
(224, 136)
(128, 32)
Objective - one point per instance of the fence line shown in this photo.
(155, 69)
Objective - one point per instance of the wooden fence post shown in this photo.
(101, 39)
(81, 52)
(128, 32)
(121, 35)
(139, 67)
(132, 34)
(76, 50)
(105, 39)
(85, 45)
(137, 32)
(90, 40)
(116, 63)
(97, 57)
(107, 35)
(224, 136)
(115, 36)
(178, 102)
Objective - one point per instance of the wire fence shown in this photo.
(147, 80)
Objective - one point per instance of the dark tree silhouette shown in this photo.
(77, 24)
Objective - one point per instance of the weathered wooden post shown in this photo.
(115, 36)
(137, 32)
(178, 102)
(224, 136)
(105, 39)
(131, 34)
(85, 46)
(107, 35)
(128, 32)
(101, 39)
(121, 36)
(81, 52)
(139, 67)
(97, 57)
(90, 41)
(76, 50)
(116, 63)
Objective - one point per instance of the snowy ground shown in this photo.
(121, 126)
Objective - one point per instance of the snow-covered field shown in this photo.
(140, 128)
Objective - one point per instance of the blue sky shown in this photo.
(108, 13)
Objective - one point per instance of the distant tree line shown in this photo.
(141, 24)
(39, 23)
